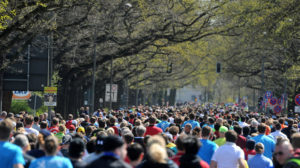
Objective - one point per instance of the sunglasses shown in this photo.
(278, 153)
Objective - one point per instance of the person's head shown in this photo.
(192, 116)
(191, 145)
(206, 132)
(76, 148)
(165, 117)
(140, 131)
(238, 129)
(231, 136)
(222, 131)
(114, 144)
(187, 128)
(250, 144)
(283, 151)
(196, 132)
(261, 128)
(278, 126)
(259, 148)
(152, 120)
(296, 140)
(3, 114)
(62, 128)
(36, 119)
(51, 145)
(55, 121)
(22, 141)
(29, 120)
(128, 138)
(43, 125)
(70, 116)
(156, 149)
(254, 123)
(87, 118)
(243, 118)
(6, 128)
(135, 153)
(112, 121)
(179, 142)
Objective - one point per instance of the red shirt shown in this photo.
(177, 157)
(116, 130)
(241, 141)
(249, 152)
(54, 129)
(153, 130)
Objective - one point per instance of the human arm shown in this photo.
(242, 163)
(18, 166)
(213, 164)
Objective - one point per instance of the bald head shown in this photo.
(283, 151)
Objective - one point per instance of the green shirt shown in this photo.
(220, 141)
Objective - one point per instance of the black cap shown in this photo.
(111, 143)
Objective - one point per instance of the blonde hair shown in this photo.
(157, 149)
(110, 131)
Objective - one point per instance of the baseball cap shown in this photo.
(72, 127)
(223, 129)
(45, 133)
(81, 129)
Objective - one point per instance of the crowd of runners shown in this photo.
(154, 137)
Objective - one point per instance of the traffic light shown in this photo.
(169, 68)
(218, 67)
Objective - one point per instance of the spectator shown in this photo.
(11, 154)
(278, 132)
(269, 143)
(61, 133)
(151, 129)
(135, 153)
(164, 124)
(188, 129)
(241, 141)
(180, 148)
(259, 160)
(113, 155)
(287, 130)
(189, 158)
(54, 127)
(140, 131)
(76, 151)
(66, 140)
(294, 161)
(192, 121)
(28, 126)
(229, 155)
(36, 124)
(22, 141)
(3, 115)
(208, 147)
(249, 150)
(51, 160)
(222, 140)
(283, 151)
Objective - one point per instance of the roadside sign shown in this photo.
(268, 95)
(279, 101)
(114, 93)
(297, 99)
(50, 96)
(297, 109)
(273, 101)
(21, 95)
(277, 109)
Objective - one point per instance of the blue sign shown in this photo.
(268, 95)
(273, 101)
(277, 109)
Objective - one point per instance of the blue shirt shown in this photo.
(260, 161)
(268, 143)
(51, 162)
(163, 125)
(10, 154)
(192, 122)
(207, 150)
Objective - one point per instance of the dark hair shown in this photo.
(36, 119)
(164, 117)
(196, 131)
(43, 125)
(134, 151)
(90, 145)
(55, 121)
(246, 131)
(179, 142)
(261, 128)
(277, 126)
(101, 123)
(231, 136)
(243, 118)
(191, 145)
(29, 120)
(152, 120)
(128, 138)
(51, 145)
(76, 148)
(192, 116)
(6, 128)
(237, 129)
(206, 131)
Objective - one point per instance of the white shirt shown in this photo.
(278, 133)
(227, 155)
(31, 130)
(243, 124)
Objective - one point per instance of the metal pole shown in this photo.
(28, 66)
(34, 105)
(94, 72)
(111, 79)
(285, 87)
(49, 71)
